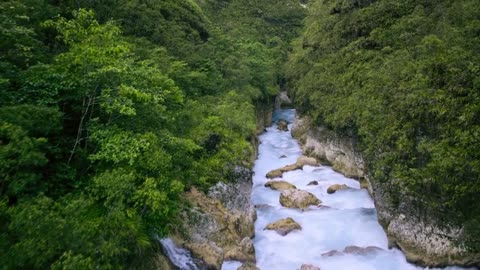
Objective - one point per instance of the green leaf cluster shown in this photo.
(111, 109)
(402, 78)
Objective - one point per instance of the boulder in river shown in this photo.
(309, 267)
(313, 183)
(284, 226)
(279, 185)
(248, 266)
(296, 198)
(282, 125)
(332, 253)
(334, 188)
(279, 172)
(361, 250)
(304, 160)
(274, 173)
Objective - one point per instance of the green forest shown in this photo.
(111, 109)
(403, 79)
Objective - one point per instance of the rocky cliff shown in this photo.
(219, 225)
(410, 227)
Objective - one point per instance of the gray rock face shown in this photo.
(418, 234)
(264, 114)
(220, 226)
(324, 145)
(284, 226)
(282, 101)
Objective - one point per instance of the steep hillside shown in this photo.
(402, 79)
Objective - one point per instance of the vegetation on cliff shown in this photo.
(402, 77)
(110, 109)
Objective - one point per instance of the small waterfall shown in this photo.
(179, 257)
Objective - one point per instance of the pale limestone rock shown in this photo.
(279, 185)
(304, 160)
(284, 226)
(334, 188)
(208, 252)
(244, 252)
(295, 198)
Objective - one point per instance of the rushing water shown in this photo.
(350, 220)
(179, 257)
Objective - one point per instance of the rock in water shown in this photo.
(244, 252)
(332, 253)
(279, 172)
(274, 174)
(282, 125)
(361, 250)
(296, 198)
(304, 160)
(334, 188)
(248, 266)
(309, 267)
(284, 226)
(313, 183)
(279, 185)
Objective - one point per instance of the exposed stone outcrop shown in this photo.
(284, 226)
(334, 188)
(295, 198)
(264, 113)
(244, 252)
(416, 232)
(208, 252)
(279, 185)
(220, 226)
(313, 183)
(282, 101)
(309, 267)
(329, 148)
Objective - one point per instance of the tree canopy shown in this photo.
(110, 110)
(402, 77)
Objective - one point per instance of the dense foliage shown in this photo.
(403, 77)
(110, 109)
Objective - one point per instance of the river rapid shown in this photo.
(350, 219)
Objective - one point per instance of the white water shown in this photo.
(179, 257)
(351, 220)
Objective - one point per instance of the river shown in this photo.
(349, 220)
